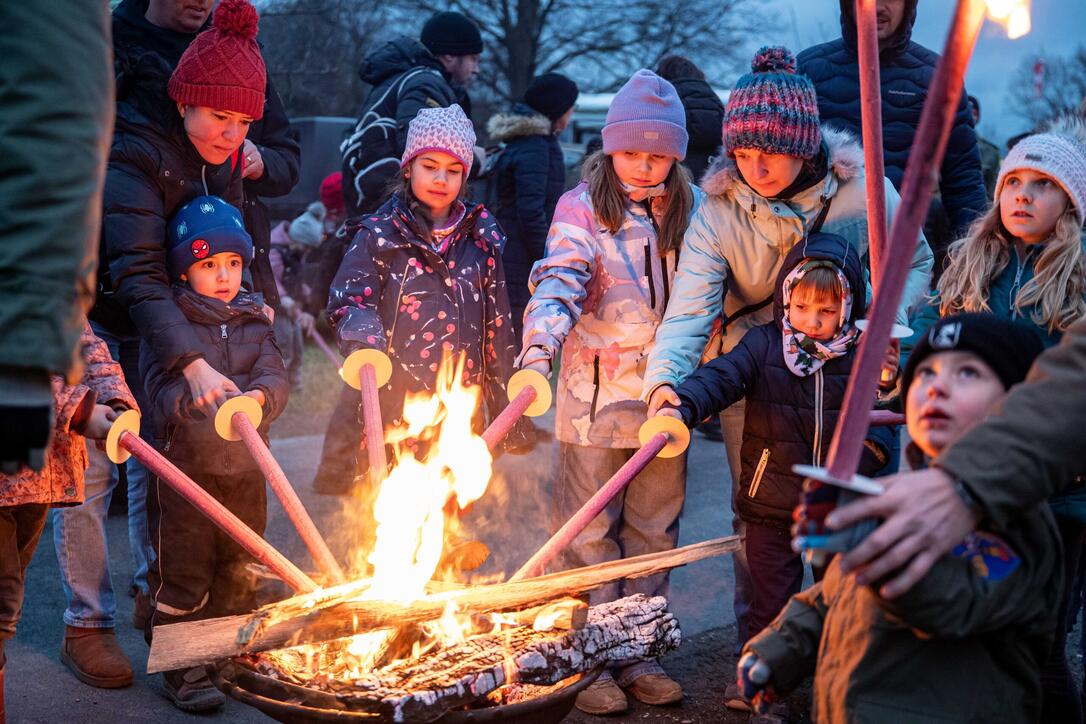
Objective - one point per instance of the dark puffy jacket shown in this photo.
(405, 77)
(153, 170)
(394, 292)
(789, 419)
(236, 340)
(531, 177)
(704, 122)
(134, 35)
(906, 72)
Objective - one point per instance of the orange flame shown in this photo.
(1013, 15)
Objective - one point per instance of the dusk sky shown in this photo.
(1058, 27)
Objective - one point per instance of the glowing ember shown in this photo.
(1013, 15)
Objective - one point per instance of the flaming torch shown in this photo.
(929, 146)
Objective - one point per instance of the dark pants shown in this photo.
(1062, 702)
(20, 529)
(199, 571)
(776, 573)
(342, 438)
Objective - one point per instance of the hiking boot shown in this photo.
(603, 696)
(656, 689)
(190, 690)
(141, 610)
(95, 657)
(776, 714)
(734, 699)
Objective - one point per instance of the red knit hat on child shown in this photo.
(222, 68)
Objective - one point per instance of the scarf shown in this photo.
(803, 355)
(442, 236)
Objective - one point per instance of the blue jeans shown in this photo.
(79, 533)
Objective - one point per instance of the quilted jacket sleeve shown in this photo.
(356, 291)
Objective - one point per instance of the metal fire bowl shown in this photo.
(287, 702)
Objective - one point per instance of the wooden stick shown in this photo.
(333, 613)
(928, 149)
(530, 394)
(650, 448)
(886, 418)
(218, 513)
(867, 46)
(277, 479)
(332, 356)
(375, 430)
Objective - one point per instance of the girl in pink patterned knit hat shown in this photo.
(422, 278)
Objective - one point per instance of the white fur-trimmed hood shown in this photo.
(504, 127)
(846, 161)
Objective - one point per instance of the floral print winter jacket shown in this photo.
(60, 481)
(598, 297)
(395, 292)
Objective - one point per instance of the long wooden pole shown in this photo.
(371, 418)
(867, 46)
(656, 435)
(217, 513)
(283, 490)
(332, 356)
(530, 394)
(338, 612)
(929, 146)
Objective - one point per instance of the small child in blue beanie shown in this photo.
(198, 571)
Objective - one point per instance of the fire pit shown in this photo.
(288, 702)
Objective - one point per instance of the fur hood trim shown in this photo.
(504, 127)
(846, 161)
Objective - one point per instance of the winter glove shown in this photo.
(753, 677)
(26, 417)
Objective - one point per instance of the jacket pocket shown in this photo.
(756, 481)
(595, 387)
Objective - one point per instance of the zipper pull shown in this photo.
(223, 328)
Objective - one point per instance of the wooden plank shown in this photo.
(334, 613)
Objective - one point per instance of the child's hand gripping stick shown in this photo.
(529, 394)
(660, 436)
(239, 419)
(366, 370)
(821, 494)
(124, 441)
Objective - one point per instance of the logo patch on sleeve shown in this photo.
(992, 558)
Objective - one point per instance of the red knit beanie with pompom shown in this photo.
(222, 68)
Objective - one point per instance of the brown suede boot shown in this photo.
(95, 657)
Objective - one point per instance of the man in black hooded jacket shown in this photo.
(405, 76)
(906, 70)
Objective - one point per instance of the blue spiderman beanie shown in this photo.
(203, 227)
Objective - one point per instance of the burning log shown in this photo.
(664, 436)
(124, 440)
(529, 394)
(422, 690)
(336, 612)
(366, 370)
(238, 419)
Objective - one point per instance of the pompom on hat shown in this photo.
(204, 227)
(772, 108)
(646, 116)
(222, 68)
(441, 129)
(1059, 152)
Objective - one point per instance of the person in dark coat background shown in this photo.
(531, 176)
(906, 70)
(704, 110)
(405, 76)
(272, 155)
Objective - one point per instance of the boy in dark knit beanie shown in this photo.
(967, 642)
(198, 571)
